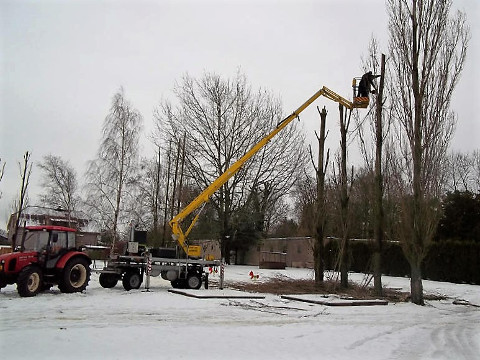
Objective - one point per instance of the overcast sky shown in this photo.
(61, 62)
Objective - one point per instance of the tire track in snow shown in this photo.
(455, 341)
(379, 335)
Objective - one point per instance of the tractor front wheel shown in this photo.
(75, 276)
(30, 281)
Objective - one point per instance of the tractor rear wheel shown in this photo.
(108, 281)
(30, 281)
(75, 276)
(132, 280)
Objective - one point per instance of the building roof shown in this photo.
(39, 216)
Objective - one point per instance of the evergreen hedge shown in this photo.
(449, 260)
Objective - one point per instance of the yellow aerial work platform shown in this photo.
(195, 251)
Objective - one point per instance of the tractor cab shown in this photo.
(47, 256)
(359, 101)
(50, 242)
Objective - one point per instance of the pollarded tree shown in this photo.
(112, 173)
(59, 182)
(427, 52)
(222, 120)
(375, 158)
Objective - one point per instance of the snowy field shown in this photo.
(115, 324)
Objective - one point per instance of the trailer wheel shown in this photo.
(194, 281)
(75, 276)
(108, 281)
(132, 280)
(179, 283)
(29, 281)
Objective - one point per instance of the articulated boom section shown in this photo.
(337, 98)
(177, 232)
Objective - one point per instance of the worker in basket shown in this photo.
(366, 82)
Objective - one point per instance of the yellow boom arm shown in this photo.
(177, 232)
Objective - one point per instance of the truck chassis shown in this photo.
(131, 269)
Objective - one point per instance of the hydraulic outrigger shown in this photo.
(195, 251)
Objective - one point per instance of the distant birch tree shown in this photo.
(111, 175)
(427, 50)
(59, 182)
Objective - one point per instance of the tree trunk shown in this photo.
(379, 214)
(344, 261)
(182, 169)
(165, 212)
(318, 249)
(174, 187)
(416, 286)
(23, 193)
(418, 157)
(118, 199)
(156, 202)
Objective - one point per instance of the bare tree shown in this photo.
(167, 192)
(150, 186)
(59, 181)
(222, 120)
(20, 204)
(304, 195)
(2, 171)
(428, 49)
(155, 194)
(459, 168)
(476, 169)
(112, 173)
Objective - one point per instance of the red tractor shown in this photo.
(47, 256)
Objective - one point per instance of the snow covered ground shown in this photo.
(116, 324)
